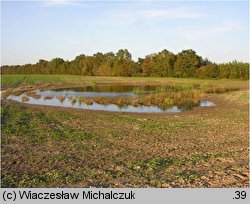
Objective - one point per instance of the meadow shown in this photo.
(14, 80)
(44, 146)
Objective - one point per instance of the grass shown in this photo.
(9, 80)
(73, 100)
(17, 80)
(184, 93)
(80, 99)
(138, 90)
(182, 99)
(25, 99)
(59, 147)
(242, 97)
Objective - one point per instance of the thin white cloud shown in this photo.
(51, 3)
(171, 13)
(130, 17)
(226, 27)
(229, 26)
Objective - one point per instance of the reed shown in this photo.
(48, 97)
(18, 92)
(220, 90)
(138, 90)
(88, 101)
(7, 93)
(33, 94)
(25, 99)
(60, 98)
(80, 100)
(160, 89)
(73, 100)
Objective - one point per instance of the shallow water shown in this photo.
(101, 91)
(95, 106)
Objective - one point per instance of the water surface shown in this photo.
(101, 91)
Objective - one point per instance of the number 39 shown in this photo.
(240, 195)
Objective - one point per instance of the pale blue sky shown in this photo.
(43, 30)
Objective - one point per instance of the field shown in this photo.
(43, 146)
(20, 80)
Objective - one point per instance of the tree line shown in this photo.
(162, 64)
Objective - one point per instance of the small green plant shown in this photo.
(25, 99)
(94, 83)
(168, 101)
(73, 100)
(80, 99)
(160, 89)
(138, 90)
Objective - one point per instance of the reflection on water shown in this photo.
(206, 103)
(101, 91)
(110, 107)
(106, 88)
(95, 106)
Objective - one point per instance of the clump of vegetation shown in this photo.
(18, 92)
(48, 97)
(73, 100)
(196, 85)
(160, 89)
(185, 99)
(123, 101)
(33, 94)
(174, 88)
(60, 98)
(166, 99)
(80, 99)
(94, 84)
(138, 90)
(25, 99)
(120, 101)
(163, 99)
(168, 102)
(136, 102)
(88, 101)
(205, 86)
(220, 90)
(100, 100)
(7, 93)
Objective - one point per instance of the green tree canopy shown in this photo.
(162, 64)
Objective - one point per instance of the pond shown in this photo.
(110, 98)
(100, 90)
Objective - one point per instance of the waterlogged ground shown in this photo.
(45, 146)
(74, 97)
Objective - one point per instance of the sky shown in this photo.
(37, 30)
